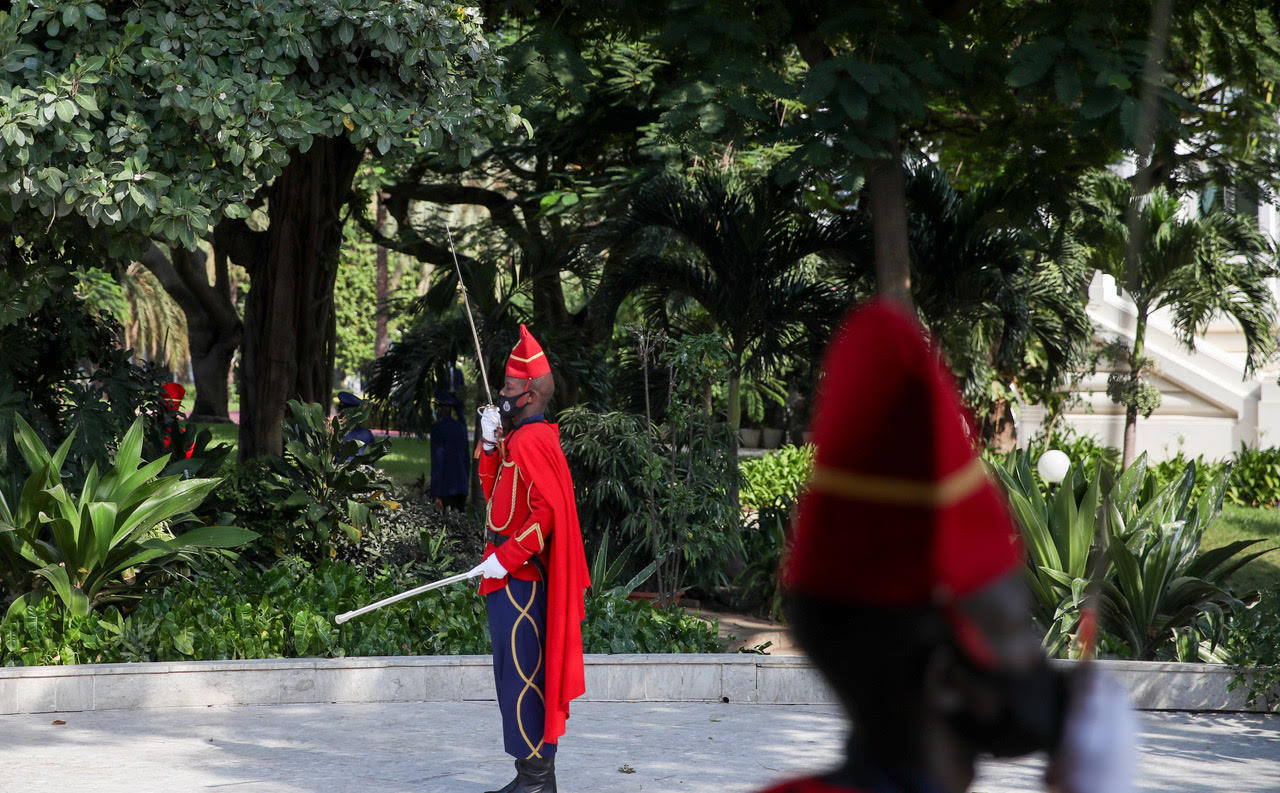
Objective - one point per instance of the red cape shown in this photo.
(538, 454)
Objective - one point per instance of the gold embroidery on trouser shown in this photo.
(528, 679)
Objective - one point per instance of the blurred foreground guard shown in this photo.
(534, 567)
(906, 589)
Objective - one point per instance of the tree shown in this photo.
(164, 121)
(1196, 267)
(214, 328)
(1032, 90)
(534, 208)
(740, 252)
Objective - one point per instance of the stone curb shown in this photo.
(737, 678)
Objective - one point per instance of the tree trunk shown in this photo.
(214, 329)
(887, 194)
(380, 341)
(735, 401)
(1131, 410)
(289, 313)
(999, 430)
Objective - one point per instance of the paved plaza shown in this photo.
(452, 747)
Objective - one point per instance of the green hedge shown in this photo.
(777, 477)
(287, 612)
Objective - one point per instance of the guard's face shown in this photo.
(513, 400)
(1004, 697)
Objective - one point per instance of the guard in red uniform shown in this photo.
(535, 570)
(905, 587)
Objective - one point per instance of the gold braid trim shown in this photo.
(533, 357)
(955, 487)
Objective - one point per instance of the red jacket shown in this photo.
(529, 494)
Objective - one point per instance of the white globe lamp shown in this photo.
(1053, 466)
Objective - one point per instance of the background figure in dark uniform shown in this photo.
(535, 570)
(450, 458)
(906, 588)
(360, 435)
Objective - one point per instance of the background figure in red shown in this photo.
(173, 395)
(906, 588)
(535, 570)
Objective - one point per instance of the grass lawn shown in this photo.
(406, 462)
(1249, 523)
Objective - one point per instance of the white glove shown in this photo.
(1098, 752)
(490, 567)
(490, 426)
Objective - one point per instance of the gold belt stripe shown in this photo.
(528, 679)
(952, 488)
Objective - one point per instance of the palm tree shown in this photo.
(1005, 306)
(739, 252)
(1197, 267)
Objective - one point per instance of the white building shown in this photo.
(1208, 406)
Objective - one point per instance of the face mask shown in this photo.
(508, 405)
(1033, 706)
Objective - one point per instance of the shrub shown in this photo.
(606, 454)
(764, 539)
(1253, 647)
(1255, 477)
(674, 498)
(247, 496)
(616, 625)
(63, 369)
(288, 610)
(116, 536)
(328, 478)
(418, 531)
(777, 477)
(1159, 591)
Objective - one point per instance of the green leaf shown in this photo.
(1100, 102)
(214, 537)
(1067, 83)
(1032, 61)
(853, 101)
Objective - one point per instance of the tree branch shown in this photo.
(245, 246)
(409, 242)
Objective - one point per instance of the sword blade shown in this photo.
(453, 579)
(466, 301)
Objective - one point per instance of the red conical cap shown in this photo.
(900, 511)
(527, 359)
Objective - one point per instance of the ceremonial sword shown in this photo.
(484, 376)
(453, 579)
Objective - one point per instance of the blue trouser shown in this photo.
(517, 622)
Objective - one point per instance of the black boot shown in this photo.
(536, 775)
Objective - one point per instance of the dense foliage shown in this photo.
(1253, 646)
(1160, 594)
(776, 478)
(120, 535)
(326, 478)
(287, 611)
(167, 118)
